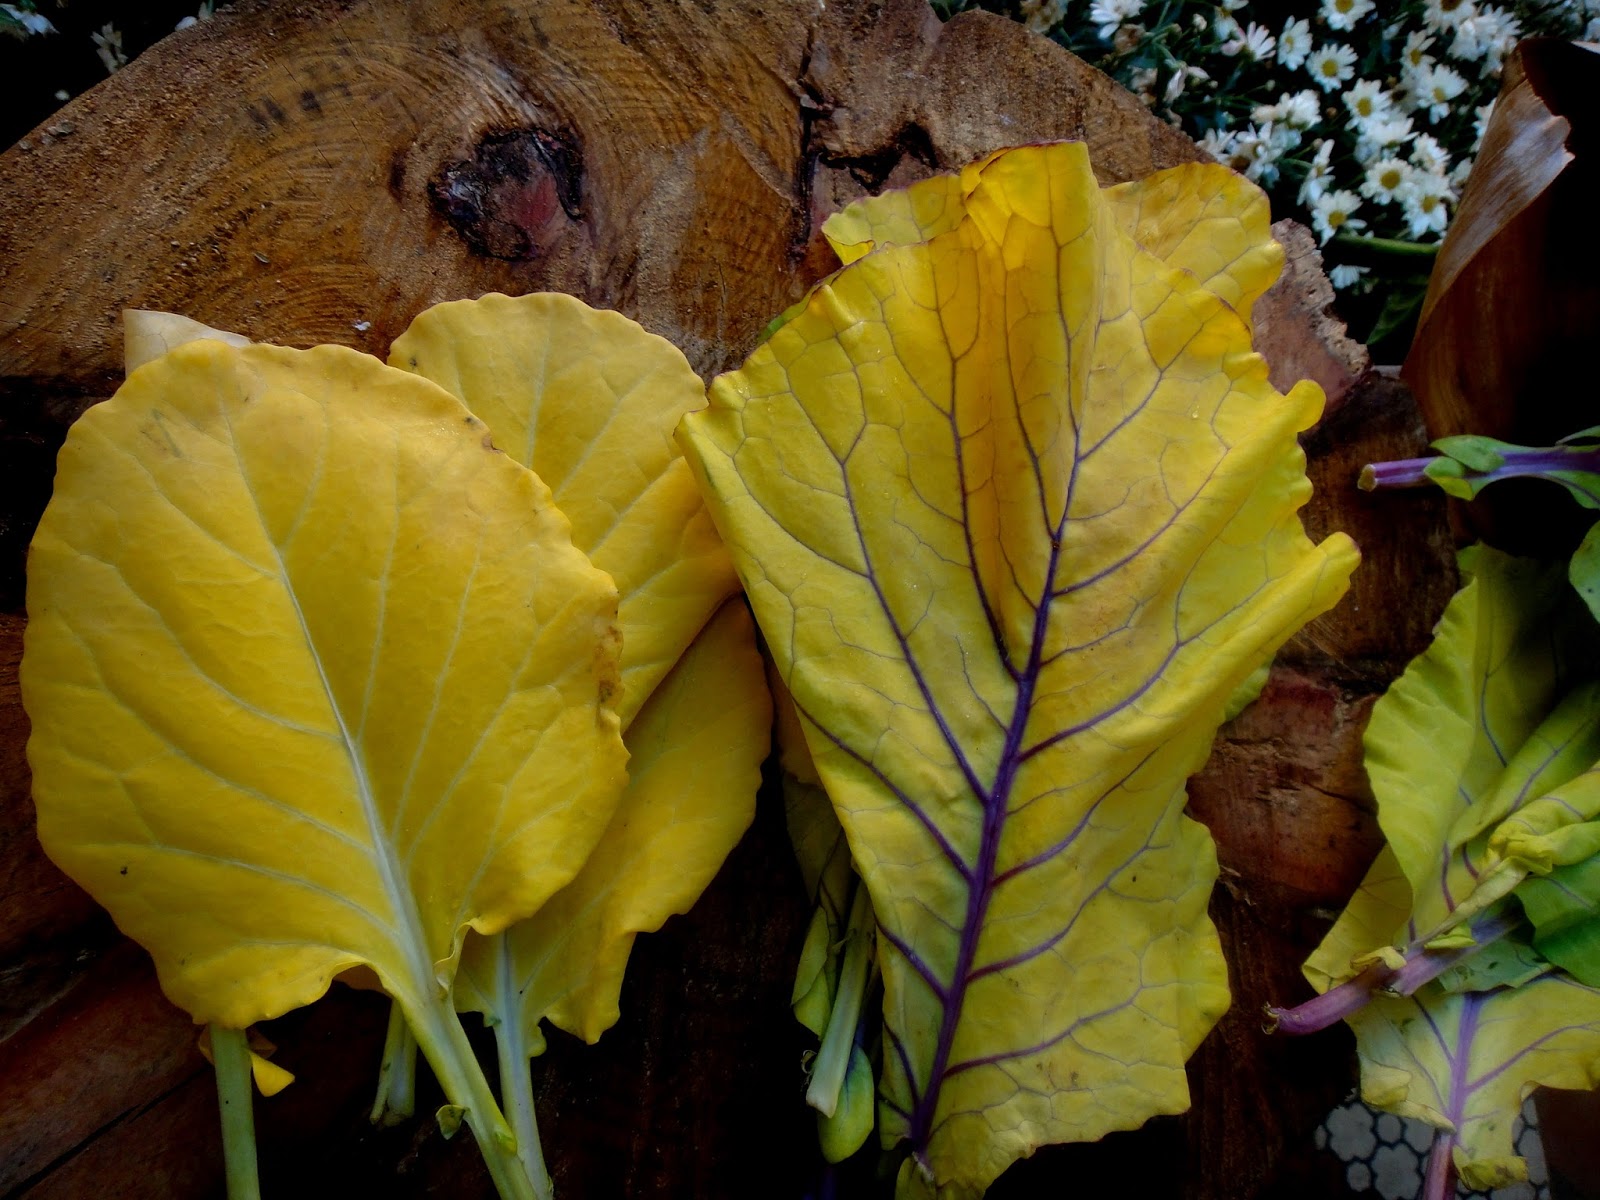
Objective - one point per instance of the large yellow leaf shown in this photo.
(1199, 217)
(317, 679)
(1016, 509)
(589, 400)
(697, 747)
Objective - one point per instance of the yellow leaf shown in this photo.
(316, 679)
(1016, 510)
(1199, 217)
(589, 400)
(697, 747)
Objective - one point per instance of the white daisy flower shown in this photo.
(1367, 101)
(1414, 54)
(1232, 6)
(1386, 180)
(1342, 15)
(1218, 144)
(1225, 27)
(1300, 110)
(1440, 15)
(1181, 78)
(1437, 86)
(1346, 275)
(1376, 135)
(1428, 155)
(1458, 177)
(31, 21)
(1109, 15)
(1142, 84)
(1331, 64)
(1294, 43)
(1426, 204)
(1319, 173)
(1255, 44)
(1334, 211)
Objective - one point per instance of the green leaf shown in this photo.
(1475, 729)
(847, 1129)
(1565, 910)
(1015, 507)
(1583, 571)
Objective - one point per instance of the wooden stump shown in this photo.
(319, 172)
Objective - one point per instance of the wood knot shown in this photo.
(515, 195)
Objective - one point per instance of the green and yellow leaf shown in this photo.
(1016, 510)
(1481, 757)
(1465, 1062)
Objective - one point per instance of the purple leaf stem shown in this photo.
(1401, 473)
(1439, 1181)
(1421, 966)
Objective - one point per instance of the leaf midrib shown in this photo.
(408, 934)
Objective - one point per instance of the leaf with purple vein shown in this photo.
(1464, 1063)
(1016, 509)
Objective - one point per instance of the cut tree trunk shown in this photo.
(320, 171)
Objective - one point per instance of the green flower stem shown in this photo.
(397, 1077)
(1380, 249)
(444, 1044)
(516, 1084)
(230, 1052)
(833, 1059)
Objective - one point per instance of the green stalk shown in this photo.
(516, 1083)
(1377, 249)
(444, 1044)
(833, 1059)
(230, 1054)
(397, 1077)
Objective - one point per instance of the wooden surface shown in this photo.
(321, 171)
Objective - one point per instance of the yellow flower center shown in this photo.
(1390, 179)
(1336, 218)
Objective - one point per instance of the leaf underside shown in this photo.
(316, 677)
(1015, 507)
